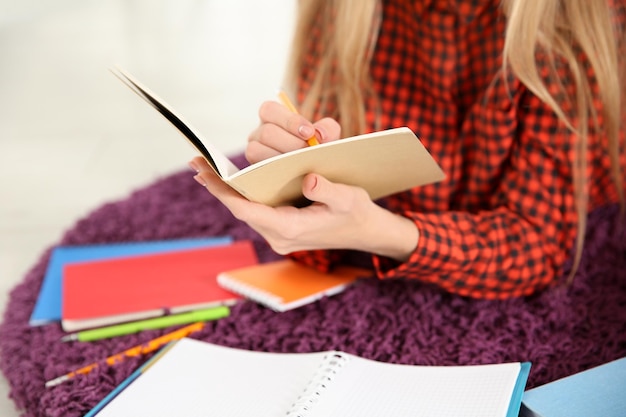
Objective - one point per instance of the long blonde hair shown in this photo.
(564, 29)
(341, 84)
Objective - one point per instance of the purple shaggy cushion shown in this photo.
(561, 331)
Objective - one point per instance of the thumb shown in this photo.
(318, 189)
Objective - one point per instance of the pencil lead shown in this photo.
(56, 381)
(69, 338)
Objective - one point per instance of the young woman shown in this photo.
(520, 102)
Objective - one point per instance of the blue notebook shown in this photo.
(48, 306)
(599, 391)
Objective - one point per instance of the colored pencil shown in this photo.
(284, 99)
(138, 350)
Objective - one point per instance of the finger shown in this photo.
(198, 163)
(272, 112)
(318, 189)
(256, 151)
(264, 219)
(222, 191)
(337, 196)
(260, 217)
(327, 129)
(275, 138)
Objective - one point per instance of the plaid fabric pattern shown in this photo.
(503, 223)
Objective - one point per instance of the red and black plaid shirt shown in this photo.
(503, 222)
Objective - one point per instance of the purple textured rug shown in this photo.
(561, 331)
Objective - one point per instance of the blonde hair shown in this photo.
(341, 85)
(564, 29)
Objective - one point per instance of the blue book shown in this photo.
(598, 391)
(48, 306)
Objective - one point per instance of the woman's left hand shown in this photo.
(340, 217)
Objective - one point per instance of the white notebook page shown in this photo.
(196, 379)
(368, 388)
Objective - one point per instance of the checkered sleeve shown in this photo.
(520, 241)
(504, 222)
(322, 260)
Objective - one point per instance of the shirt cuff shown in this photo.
(433, 251)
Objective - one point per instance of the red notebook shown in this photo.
(101, 293)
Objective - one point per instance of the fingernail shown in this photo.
(320, 134)
(193, 166)
(306, 131)
(199, 180)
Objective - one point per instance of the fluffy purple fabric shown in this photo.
(561, 331)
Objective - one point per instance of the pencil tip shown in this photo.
(68, 338)
(56, 381)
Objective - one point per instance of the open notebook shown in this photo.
(382, 163)
(194, 378)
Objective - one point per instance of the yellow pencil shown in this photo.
(284, 98)
(142, 349)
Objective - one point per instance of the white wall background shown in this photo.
(72, 136)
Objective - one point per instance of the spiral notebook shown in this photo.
(285, 284)
(196, 378)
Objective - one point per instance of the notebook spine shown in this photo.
(328, 370)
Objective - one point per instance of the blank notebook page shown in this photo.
(193, 380)
(367, 388)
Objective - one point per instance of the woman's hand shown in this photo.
(340, 217)
(282, 131)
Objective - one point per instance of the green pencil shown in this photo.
(156, 323)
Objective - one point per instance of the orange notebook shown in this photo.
(101, 293)
(284, 285)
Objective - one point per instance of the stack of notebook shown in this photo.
(100, 285)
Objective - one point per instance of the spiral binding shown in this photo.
(248, 291)
(330, 367)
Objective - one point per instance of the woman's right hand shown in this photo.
(282, 131)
